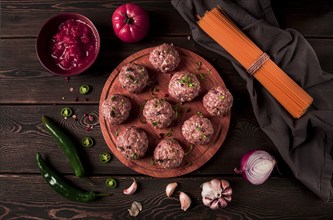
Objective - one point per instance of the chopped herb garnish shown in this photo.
(134, 156)
(129, 69)
(167, 51)
(155, 123)
(134, 80)
(222, 97)
(169, 133)
(187, 81)
(200, 114)
(201, 75)
(152, 162)
(176, 108)
(116, 132)
(189, 150)
(199, 63)
(142, 69)
(198, 128)
(113, 98)
(154, 90)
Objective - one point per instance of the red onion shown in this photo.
(256, 166)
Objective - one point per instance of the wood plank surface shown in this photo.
(28, 91)
(21, 128)
(27, 73)
(308, 17)
(278, 198)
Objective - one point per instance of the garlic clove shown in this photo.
(135, 209)
(130, 190)
(222, 202)
(215, 204)
(170, 188)
(227, 192)
(228, 198)
(137, 205)
(133, 213)
(185, 201)
(225, 184)
(206, 201)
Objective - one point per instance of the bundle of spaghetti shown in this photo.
(257, 63)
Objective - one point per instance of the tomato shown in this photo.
(130, 23)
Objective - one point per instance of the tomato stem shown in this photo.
(128, 20)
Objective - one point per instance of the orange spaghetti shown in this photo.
(257, 63)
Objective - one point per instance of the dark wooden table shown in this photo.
(28, 91)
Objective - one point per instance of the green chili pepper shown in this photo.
(111, 182)
(87, 142)
(66, 144)
(84, 89)
(105, 157)
(66, 112)
(62, 187)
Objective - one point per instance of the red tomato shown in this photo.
(130, 23)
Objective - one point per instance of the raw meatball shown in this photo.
(132, 143)
(218, 101)
(116, 109)
(184, 86)
(158, 112)
(197, 130)
(164, 58)
(168, 153)
(133, 77)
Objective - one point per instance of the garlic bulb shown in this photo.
(216, 193)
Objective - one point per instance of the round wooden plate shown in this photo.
(196, 155)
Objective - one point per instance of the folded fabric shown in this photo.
(306, 144)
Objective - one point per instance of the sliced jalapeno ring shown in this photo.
(111, 182)
(84, 89)
(105, 157)
(66, 112)
(87, 142)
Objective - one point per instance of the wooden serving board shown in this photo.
(196, 155)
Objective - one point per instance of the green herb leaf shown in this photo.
(169, 133)
(199, 64)
(155, 123)
(200, 114)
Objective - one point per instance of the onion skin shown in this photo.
(256, 166)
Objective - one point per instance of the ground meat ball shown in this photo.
(218, 101)
(197, 130)
(132, 143)
(133, 77)
(184, 86)
(168, 153)
(164, 58)
(158, 112)
(116, 109)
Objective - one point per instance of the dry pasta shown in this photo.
(257, 63)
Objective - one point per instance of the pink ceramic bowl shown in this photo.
(68, 44)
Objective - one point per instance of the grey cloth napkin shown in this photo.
(305, 144)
